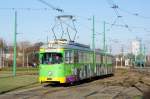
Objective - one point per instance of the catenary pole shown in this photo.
(104, 44)
(93, 41)
(15, 37)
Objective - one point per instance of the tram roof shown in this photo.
(66, 45)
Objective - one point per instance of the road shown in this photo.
(125, 84)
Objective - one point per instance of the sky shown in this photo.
(36, 25)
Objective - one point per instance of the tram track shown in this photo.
(43, 91)
(48, 89)
(126, 82)
(117, 86)
(144, 70)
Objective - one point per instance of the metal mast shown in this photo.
(15, 37)
(93, 41)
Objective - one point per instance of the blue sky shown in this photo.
(35, 26)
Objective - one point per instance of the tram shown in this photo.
(63, 61)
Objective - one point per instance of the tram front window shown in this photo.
(52, 58)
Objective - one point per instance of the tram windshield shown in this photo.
(51, 58)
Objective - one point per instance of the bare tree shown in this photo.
(1, 52)
(29, 53)
(23, 51)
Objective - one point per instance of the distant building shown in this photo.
(135, 47)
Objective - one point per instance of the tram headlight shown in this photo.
(49, 73)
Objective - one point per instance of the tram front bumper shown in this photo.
(52, 79)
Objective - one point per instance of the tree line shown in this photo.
(27, 53)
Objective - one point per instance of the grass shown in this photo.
(19, 69)
(24, 77)
(137, 97)
(6, 72)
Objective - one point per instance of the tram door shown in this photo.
(71, 59)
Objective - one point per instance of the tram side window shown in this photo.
(51, 58)
(81, 57)
(110, 59)
(88, 57)
(85, 57)
(98, 58)
(91, 58)
(69, 56)
(76, 57)
(104, 59)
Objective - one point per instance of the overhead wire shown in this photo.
(86, 18)
(113, 24)
(74, 29)
(51, 6)
(134, 14)
(110, 2)
(27, 9)
(114, 6)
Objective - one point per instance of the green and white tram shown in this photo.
(67, 62)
